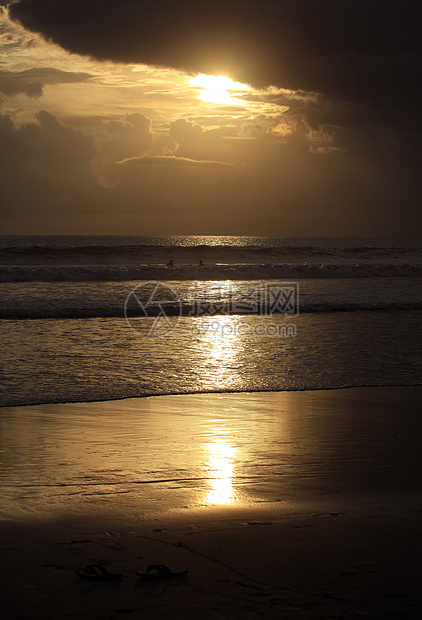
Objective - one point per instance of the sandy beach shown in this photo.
(284, 504)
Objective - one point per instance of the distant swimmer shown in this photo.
(170, 263)
(201, 263)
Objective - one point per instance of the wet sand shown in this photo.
(287, 504)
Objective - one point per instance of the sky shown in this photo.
(156, 117)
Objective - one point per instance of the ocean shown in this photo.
(97, 318)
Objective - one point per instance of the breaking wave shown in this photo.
(242, 271)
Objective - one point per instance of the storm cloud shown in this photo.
(267, 42)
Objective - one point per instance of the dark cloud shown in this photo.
(369, 90)
(13, 83)
(350, 51)
(44, 167)
(32, 81)
(264, 42)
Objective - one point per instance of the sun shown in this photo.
(219, 89)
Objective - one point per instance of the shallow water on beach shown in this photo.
(79, 322)
(147, 458)
(98, 359)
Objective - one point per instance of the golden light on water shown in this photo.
(221, 471)
(220, 346)
(219, 89)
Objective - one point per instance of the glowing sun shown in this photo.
(219, 89)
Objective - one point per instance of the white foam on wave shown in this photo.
(241, 271)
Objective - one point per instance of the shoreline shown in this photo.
(280, 504)
(212, 392)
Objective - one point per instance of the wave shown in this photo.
(135, 254)
(241, 271)
(69, 311)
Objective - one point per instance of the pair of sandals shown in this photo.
(154, 571)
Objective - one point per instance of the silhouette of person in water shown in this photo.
(201, 263)
(170, 263)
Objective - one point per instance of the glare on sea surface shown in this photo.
(220, 345)
(219, 89)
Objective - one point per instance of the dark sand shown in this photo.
(281, 505)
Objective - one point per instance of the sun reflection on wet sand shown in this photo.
(220, 469)
(143, 459)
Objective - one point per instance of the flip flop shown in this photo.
(96, 571)
(159, 571)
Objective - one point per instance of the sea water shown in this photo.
(97, 318)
